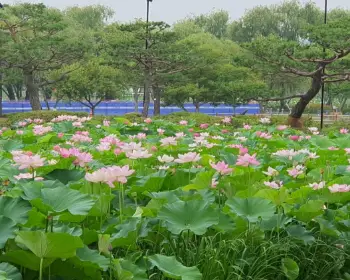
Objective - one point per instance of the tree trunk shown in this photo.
(343, 103)
(135, 91)
(156, 105)
(0, 95)
(32, 90)
(283, 106)
(197, 106)
(18, 91)
(299, 108)
(147, 97)
(10, 93)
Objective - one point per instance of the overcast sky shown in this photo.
(172, 10)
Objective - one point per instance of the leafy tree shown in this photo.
(285, 20)
(237, 84)
(215, 74)
(90, 83)
(36, 39)
(307, 59)
(127, 47)
(215, 23)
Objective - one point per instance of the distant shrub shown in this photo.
(44, 115)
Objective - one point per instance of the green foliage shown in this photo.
(89, 82)
(44, 115)
(173, 269)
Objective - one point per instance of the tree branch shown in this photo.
(279, 98)
(339, 55)
(61, 78)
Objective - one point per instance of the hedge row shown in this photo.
(198, 118)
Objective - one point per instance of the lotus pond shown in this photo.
(85, 199)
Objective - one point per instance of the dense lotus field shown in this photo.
(81, 199)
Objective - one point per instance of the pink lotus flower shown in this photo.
(160, 131)
(165, 159)
(168, 141)
(60, 135)
(265, 120)
(148, 120)
(41, 130)
(28, 161)
(282, 127)
(243, 151)
(214, 183)
(204, 126)
(129, 147)
(122, 173)
(247, 127)
(117, 151)
(274, 184)
(332, 148)
(247, 160)
(286, 153)
(28, 176)
(106, 123)
(179, 135)
(344, 131)
(347, 150)
(339, 188)
(24, 176)
(141, 136)
(265, 135)
(296, 171)
(111, 139)
(183, 122)
(65, 153)
(103, 146)
(154, 149)
(221, 167)
(317, 186)
(109, 175)
(38, 121)
(189, 157)
(226, 120)
(271, 172)
(224, 131)
(294, 137)
(22, 124)
(82, 159)
(81, 138)
(136, 154)
(77, 124)
(19, 132)
(307, 137)
(190, 129)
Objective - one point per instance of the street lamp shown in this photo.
(324, 56)
(147, 22)
(147, 35)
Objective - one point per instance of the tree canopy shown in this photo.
(272, 53)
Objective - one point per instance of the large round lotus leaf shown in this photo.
(193, 215)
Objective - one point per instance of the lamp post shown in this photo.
(147, 34)
(324, 55)
(1, 7)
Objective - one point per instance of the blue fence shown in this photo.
(121, 108)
